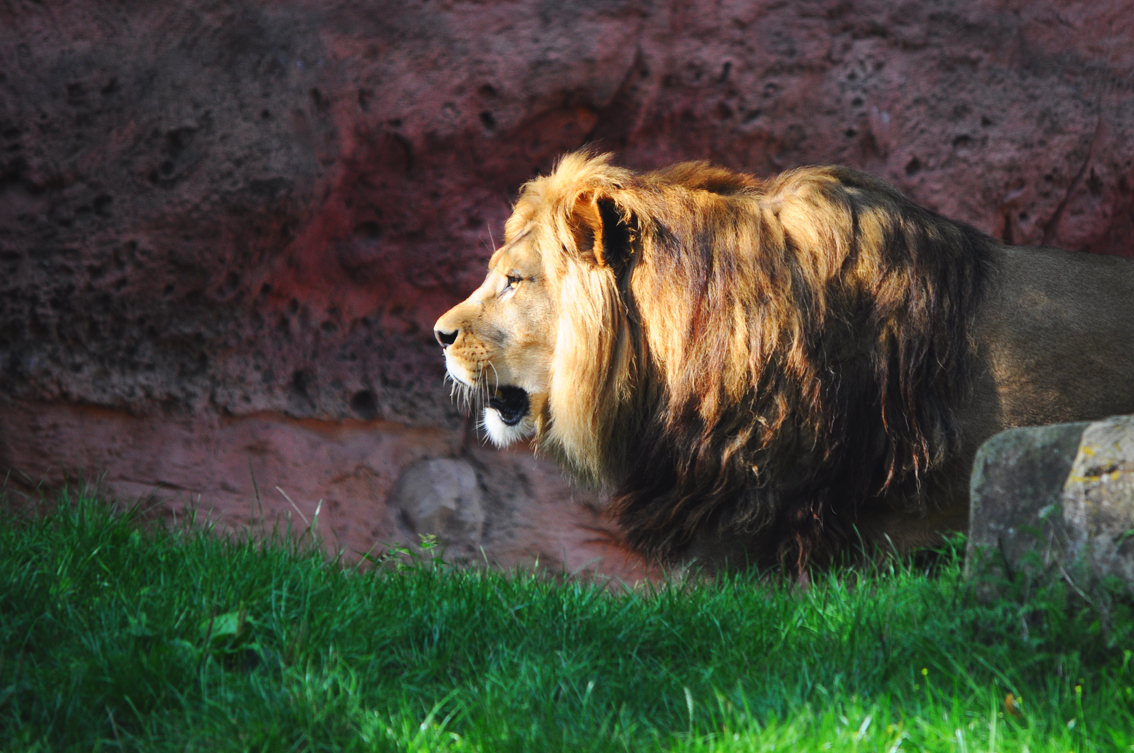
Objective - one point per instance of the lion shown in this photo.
(777, 373)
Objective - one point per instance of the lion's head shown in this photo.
(762, 359)
(542, 347)
(499, 344)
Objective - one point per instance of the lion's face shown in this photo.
(499, 343)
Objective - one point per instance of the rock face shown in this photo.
(1059, 495)
(229, 226)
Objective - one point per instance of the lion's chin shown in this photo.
(508, 416)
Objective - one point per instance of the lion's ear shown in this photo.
(602, 231)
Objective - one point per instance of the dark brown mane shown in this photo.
(855, 307)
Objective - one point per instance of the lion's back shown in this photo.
(1057, 334)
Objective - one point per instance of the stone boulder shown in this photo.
(1098, 500)
(441, 497)
(1055, 498)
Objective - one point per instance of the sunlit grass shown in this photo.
(119, 634)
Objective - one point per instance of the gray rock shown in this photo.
(1098, 500)
(442, 497)
(1015, 516)
(1056, 499)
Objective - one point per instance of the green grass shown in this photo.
(117, 634)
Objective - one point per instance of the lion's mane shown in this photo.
(768, 358)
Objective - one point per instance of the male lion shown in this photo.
(777, 372)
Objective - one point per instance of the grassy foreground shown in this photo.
(117, 635)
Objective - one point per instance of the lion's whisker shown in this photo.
(496, 373)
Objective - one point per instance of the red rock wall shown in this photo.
(224, 224)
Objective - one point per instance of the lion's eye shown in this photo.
(514, 280)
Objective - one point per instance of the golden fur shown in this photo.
(775, 372)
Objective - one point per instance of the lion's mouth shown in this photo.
(511, 403)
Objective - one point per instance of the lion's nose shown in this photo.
(445, 338)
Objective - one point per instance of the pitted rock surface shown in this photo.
(215, 215)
